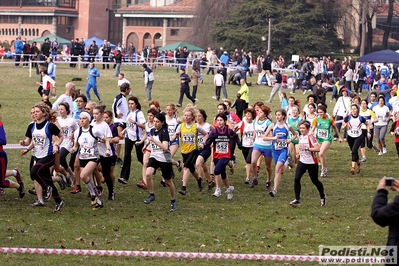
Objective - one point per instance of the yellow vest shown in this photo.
(188, 138)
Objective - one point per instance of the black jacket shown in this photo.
(385, 214)
(184, 77)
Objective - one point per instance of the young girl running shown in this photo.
(307, 161)
(188, 132)
(224, 141)
(147, 149)
(160, 158)
(261, 147)
(280, 136)
(205, 153)
(246, 128)
(322, 127)
(87, 143)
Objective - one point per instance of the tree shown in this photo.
(245, 26)
(387, 30)
(299, 26)
(207, 11)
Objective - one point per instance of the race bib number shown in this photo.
(222, 147)
(322, 133)
(280, 144)
(248, 135)
(130, 125)
(171, 130)
(189, 138)
(397, 131)
(355, 132)
(155, 148)
(201, 140)
(39, 141)
(87, 152)
(259, 133)
(65, 131)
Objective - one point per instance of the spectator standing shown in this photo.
(18, 49)
(106, 53)
(118, 62)
(131, 50)
(46, 47)
(148, 80)
(194, 79)
(27, 53)
(213, 60)
(218, 81)
(54, 49)
(93, 50)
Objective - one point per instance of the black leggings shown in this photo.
(354, 145)
(106, 163)
(127, 159)
(247, 153)
(41, 173)
(313, 170)
(366, 140)
(63, 154)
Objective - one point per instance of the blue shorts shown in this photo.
(176, 142)
(280, 156)
(205, 153)
(267, 152)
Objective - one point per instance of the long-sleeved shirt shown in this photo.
(218, 80)
(148, 75)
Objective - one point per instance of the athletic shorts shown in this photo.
(280, 156)
(166, 168)
(205, 153)
(267, 152)
(83, 163)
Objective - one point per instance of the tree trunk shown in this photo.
(388, 26)
(369, 42)
(363, 31)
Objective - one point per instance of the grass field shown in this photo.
(252, 222)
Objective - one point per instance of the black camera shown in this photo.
(389, 181)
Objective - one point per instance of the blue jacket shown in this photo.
(18, 46)
(224, 59)
(93, 73)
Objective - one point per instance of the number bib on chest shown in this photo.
(86, 152)
(280, 144)
(222, 147)
(322, 133)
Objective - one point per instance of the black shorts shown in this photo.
(113, 160)
(83, 163)
(190, 158)
(206, 153)
(166, 168)
(46, 92)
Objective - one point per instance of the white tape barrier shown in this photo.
(17, 146)
(158, 254)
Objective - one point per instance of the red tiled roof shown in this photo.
(181, 6)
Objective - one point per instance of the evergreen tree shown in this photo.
(299, 27)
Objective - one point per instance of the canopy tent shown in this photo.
(51, 37)
(174, 46)
(99, 42)
(384, 56)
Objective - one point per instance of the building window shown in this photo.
(174, 32)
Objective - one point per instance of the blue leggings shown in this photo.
(90, 86)
(220, 167)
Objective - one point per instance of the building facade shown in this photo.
(65, 18)
(156, 22)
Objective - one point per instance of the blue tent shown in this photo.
(99, 42)
(384, 56)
